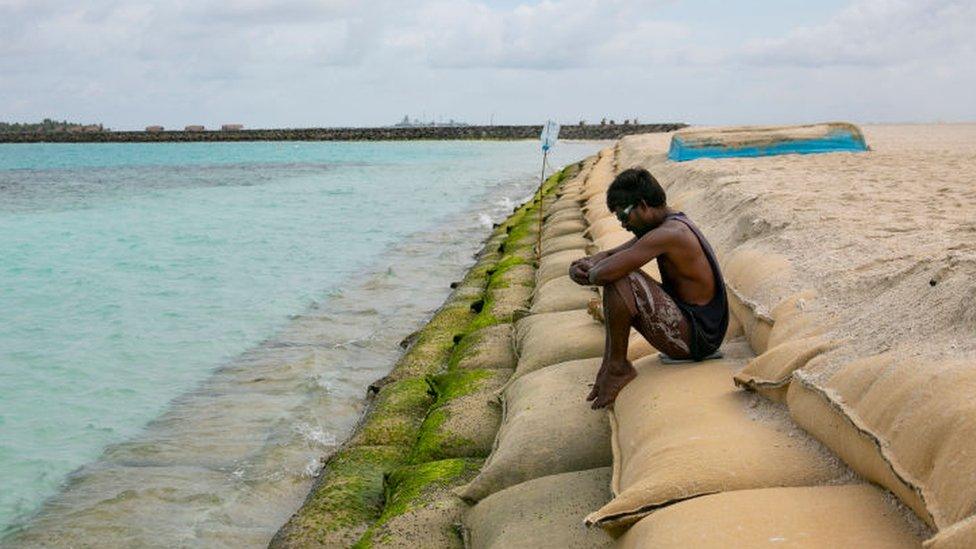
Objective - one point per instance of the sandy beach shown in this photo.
(885, 238)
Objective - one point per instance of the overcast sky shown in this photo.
(303, 63)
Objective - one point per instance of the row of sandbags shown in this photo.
(433, 419)
(685, 458)
(901, 422)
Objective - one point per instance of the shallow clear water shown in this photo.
(185, 329)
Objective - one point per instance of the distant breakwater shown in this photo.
(601, 131)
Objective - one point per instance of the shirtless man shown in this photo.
(685, 316)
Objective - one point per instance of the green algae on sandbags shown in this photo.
(489, 347)
(463, 420)
(421, 510)
(434, 342)
(395, 415)
(346, 500)
(508, 290)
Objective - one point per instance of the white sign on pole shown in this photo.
(550, 133)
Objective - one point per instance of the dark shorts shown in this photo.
(662, 319)
(658, 320)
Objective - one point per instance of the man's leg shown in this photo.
(636, 301)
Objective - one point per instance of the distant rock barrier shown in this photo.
(601, 131)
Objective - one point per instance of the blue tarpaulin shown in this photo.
(750, 142)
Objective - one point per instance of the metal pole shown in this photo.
(542, 181)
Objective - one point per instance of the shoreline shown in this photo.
(479, 133)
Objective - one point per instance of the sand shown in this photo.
(887, 238)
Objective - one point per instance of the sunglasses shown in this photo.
(624, 214)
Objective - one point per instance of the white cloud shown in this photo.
(547, 35)
(307, 62)
(876, 33)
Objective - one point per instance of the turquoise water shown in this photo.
(140, 282)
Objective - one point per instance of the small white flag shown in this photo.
(550, 133)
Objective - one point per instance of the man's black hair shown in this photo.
(633, 185)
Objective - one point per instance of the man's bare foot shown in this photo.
(595, 308)
(595, 392)
(617, 376)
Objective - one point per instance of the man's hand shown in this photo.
(579, 271)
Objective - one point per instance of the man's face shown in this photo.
(637, 218)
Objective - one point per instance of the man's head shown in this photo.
(638, 200)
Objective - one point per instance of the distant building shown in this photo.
(194, 129)
(91, 128)
(232, 127)
(416, 123)
(154, 129)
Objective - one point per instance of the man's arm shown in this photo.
(620, 264)
(579, 269)
(598, 257)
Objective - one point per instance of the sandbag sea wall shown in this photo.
(432, 421)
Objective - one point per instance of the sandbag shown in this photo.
(755, 325)
(769, 374)
(796, 318)
(503, 302)
(599, 177)
(905, 423)
(421, 510)
(565, 214)
(560, 228)
(515, 275)
(613, 239)
(463, 420)
(487, 348)
(561, 294)
(556, 265)
(567, 202)
(961, 535)
(683, 430)
(345, 500)
(566, 242)
(603, 227)
(854, 515)
(545, 512)
(596, 209)
(796, 336)
(550, 338)
(547, 427)
(756, 281)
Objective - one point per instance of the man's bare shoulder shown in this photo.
(669, 231)
(671, 235)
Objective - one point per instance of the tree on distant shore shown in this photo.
(47, 126)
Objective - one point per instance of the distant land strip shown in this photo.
(595, 131)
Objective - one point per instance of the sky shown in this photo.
(328, 63)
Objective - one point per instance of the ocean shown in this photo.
(187, 329)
